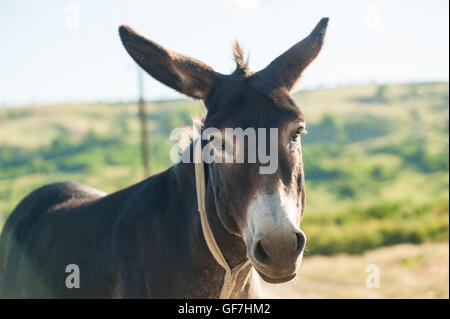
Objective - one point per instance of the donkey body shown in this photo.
(141, 242)
(146, 241)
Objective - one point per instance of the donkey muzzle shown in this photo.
(274, 243)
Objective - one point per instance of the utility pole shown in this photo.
(144, 128)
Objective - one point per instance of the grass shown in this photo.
(376, 158)
(382, 224)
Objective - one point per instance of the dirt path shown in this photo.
(405, 271)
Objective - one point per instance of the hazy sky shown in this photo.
(59, 51)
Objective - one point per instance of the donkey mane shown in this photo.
(186, 137)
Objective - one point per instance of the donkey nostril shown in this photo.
(259, 253)
(300, 242)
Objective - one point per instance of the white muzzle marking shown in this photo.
(271, 212)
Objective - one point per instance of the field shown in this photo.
(376, 158)
(405, 271)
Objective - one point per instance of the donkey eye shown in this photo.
(216, 143)
(297, 134)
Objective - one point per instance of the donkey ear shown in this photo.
(287, 68)
(180, 72)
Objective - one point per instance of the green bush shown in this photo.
(383, 224)
(415, 154)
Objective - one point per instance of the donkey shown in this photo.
(146, 241)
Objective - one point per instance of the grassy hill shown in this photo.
(376, 158)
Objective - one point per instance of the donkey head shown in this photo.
(263, 207)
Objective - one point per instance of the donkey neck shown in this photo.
(231, 245)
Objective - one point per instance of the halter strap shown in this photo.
(231, 273)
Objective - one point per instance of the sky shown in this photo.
(58, 51)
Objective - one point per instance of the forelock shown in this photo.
(241, 64)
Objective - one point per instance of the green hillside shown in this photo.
(376, 158)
